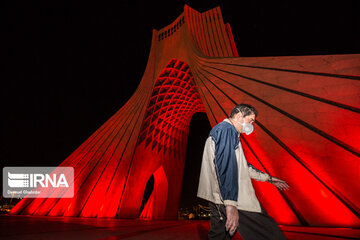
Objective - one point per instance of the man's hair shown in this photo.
(245, 110)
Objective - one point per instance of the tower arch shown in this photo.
(162, 140)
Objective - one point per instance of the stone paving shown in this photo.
(40, 227)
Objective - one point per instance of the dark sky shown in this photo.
(69, 65)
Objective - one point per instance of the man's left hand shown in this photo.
(280, 184)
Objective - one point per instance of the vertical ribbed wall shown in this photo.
(209, 34)
(307, 131)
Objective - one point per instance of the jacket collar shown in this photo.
(228, 121)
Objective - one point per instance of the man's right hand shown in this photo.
(232, 219)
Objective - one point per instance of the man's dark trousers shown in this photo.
(252, 225)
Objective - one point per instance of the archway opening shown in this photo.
(147, 193)
(156, 204)
(189, 203)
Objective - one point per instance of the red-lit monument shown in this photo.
(307, 132)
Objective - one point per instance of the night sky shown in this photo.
(69, 66)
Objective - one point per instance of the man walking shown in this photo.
(225, 181)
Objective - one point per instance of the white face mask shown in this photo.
(247, 128)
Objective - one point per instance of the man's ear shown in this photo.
(238, 116)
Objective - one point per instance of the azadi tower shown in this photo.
(307, 131)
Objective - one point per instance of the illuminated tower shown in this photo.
(307, 132)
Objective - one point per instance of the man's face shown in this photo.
(239, 120)
(250, 119)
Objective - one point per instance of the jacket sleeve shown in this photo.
(257, 174)
(226, 165)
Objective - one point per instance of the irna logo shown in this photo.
(19, 180)
(42, 182)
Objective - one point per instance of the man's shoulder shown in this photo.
(224, 125)
(221, 128)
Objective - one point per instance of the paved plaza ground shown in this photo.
(40, 227)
